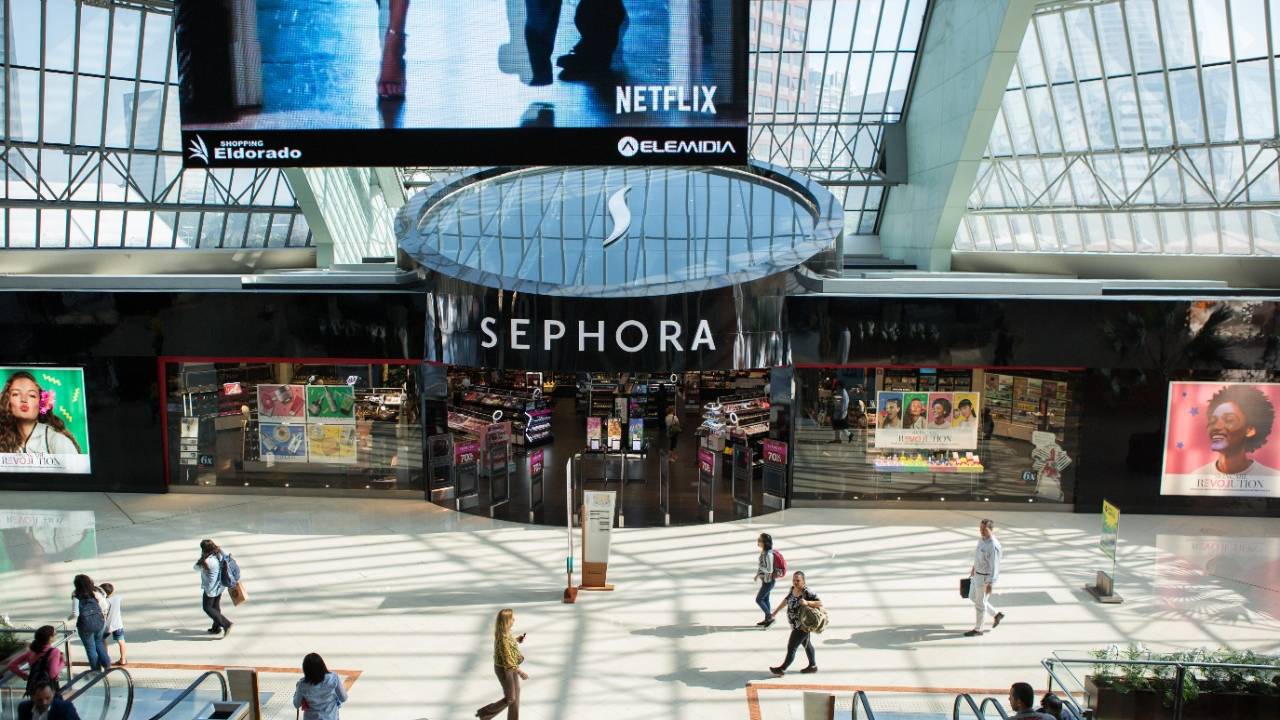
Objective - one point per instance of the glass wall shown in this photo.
(913, 434)
(305, 425)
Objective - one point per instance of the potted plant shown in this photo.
(1119, 691)
(12, 642)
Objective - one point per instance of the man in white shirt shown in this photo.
(983, 576)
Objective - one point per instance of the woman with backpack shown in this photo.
(42, 660)
(767, 573)
(799, 599)
(87, 603)
(210, 568)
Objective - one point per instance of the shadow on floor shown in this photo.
(152, 634)
(683, 631)
(715, 679)
(1022, 599)
(898, 638)
(485, 596)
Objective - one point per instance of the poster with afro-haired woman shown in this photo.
(1220, 440)
(43, 424)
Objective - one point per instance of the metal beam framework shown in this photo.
(1133, 126)
(91, 155)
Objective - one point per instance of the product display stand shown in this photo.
(597, 526)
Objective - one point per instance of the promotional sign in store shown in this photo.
(775, 451)
(1110, 530)
(927, 420)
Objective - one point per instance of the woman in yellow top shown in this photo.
(506, 665)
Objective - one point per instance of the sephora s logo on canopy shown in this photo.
(620, 214)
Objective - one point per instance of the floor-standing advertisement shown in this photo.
(1220, 440)
(44, 427)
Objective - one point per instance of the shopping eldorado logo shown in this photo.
(199, 151)
(620, 214)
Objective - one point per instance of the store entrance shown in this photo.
(651, 437)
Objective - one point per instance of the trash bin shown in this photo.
(224, 711)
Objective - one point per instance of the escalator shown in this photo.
(113, 696)
(208, 688)
(912, 707)
(101, 696)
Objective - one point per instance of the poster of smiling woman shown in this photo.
(1220, 440)
(43, 424)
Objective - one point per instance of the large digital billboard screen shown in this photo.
(503, 82)
(44, 427)
(1220, 440)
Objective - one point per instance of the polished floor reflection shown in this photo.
(405, 592)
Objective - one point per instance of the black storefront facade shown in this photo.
(1122, 353)
(1105, 362)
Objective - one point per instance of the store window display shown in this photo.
(964, 434)
(300, 425)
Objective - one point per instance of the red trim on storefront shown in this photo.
(164, 415)
(162, 379)
(918, 366)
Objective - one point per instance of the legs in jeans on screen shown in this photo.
(762, 598)
(797, 639)
(95, 651)
(510, 679)
(542, 18)
(213, 608)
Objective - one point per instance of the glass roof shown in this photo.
(92, 156)
(1136, 126)
(617, 230)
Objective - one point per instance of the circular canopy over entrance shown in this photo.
(614, 231)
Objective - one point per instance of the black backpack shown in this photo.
(39, 672)
(91, 619)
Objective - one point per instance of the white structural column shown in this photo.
(970, 48)
(350, 211)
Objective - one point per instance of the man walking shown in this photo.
(982, 576)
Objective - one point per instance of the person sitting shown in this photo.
(1022, 700)
(46, 705)
(1051, 705)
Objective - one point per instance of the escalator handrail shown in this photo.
(71, 684)
(128, 679)
(1067, 698)
(982, 709)
(861, 697)
(962, 699)
(190, 689)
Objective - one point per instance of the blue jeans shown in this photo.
(95, 650)
(762, 597)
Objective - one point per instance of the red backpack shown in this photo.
(779, 565)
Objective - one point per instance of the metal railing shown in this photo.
(1000, 713)
(91, 679)
(1180, 670)
(187, 694)
(963, 700)
(860, 699)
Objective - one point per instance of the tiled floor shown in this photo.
(405, 592)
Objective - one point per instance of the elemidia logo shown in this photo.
(198, 150)
(628, 146)
(621, 215)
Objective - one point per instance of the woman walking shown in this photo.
(41, 659)
(799, 597)
(764, 573)
(210, 568)
(319, 693)
(506, 665)
(87, 602)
